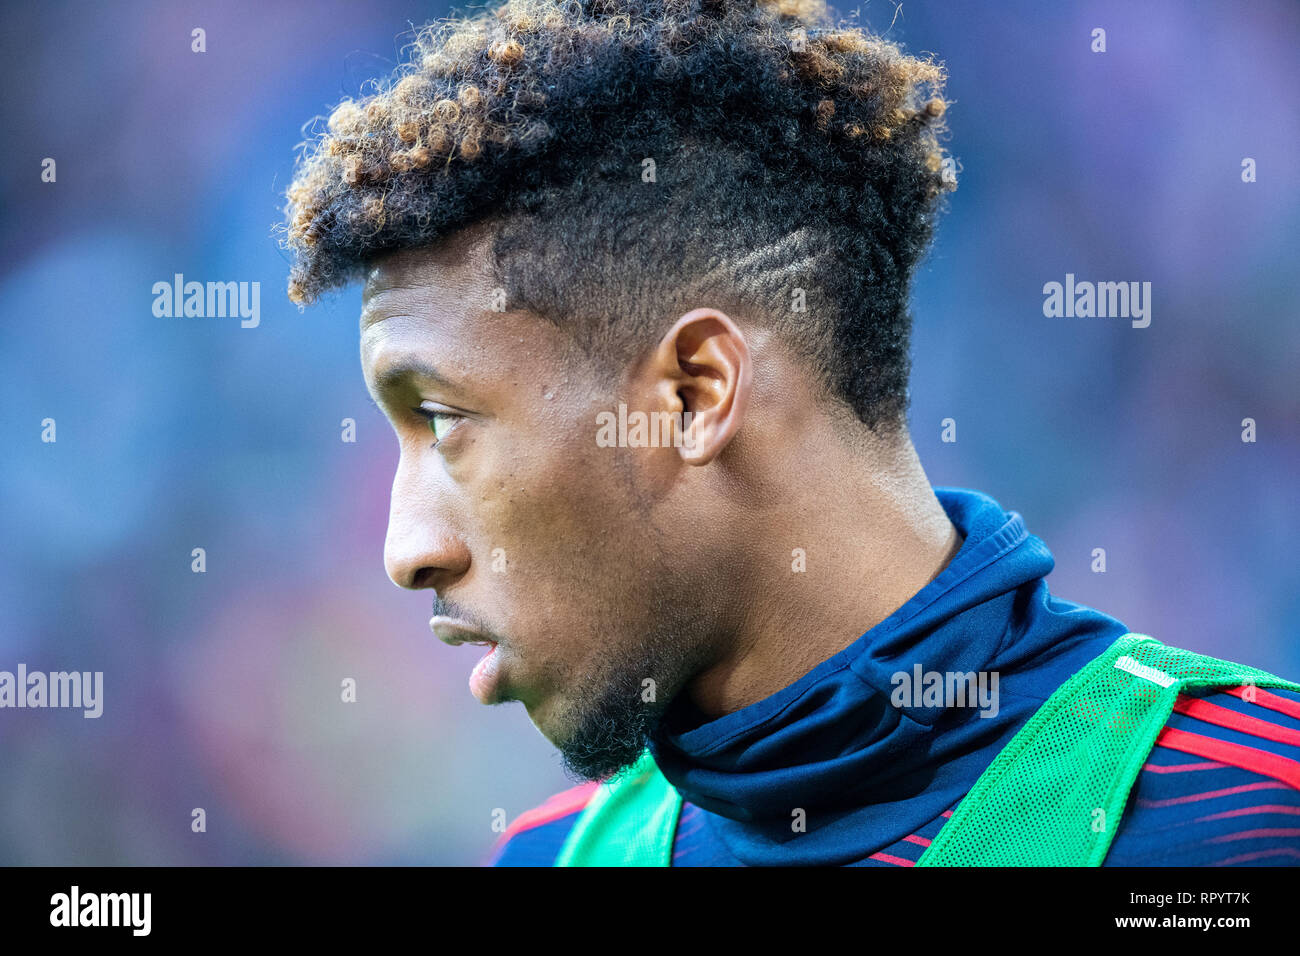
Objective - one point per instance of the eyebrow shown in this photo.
(397, 374)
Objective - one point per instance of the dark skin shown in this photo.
(597, 569)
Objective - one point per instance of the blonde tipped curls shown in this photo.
(485, 99)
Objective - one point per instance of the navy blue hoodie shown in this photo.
(876, 773)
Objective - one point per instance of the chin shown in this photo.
(542, 714)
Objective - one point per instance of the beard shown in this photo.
(615, 707)
(614, 712)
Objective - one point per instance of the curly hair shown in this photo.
(636, 156)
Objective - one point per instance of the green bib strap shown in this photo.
(631, 820)
(1055, 794)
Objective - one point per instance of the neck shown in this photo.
(851, 539)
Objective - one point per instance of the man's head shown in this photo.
(680, 207)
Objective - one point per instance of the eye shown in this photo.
(440, 422)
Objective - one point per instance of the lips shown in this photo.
(483, 679)
(485, 676)
(453, 631)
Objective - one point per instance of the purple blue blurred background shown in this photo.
(222, 688)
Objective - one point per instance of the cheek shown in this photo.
(569, 538)
(547, 483)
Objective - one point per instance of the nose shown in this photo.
(421, 549)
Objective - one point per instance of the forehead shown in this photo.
(457, 268)
(434, 306)
(427, 297)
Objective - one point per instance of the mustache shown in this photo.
(443, 607)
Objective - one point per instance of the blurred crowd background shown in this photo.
(222, 688)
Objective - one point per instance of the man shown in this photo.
(635, 303)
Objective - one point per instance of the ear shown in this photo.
(703, 363)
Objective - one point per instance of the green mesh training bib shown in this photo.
(629, 821)
(1052, 797)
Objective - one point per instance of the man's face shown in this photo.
(577, 561)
